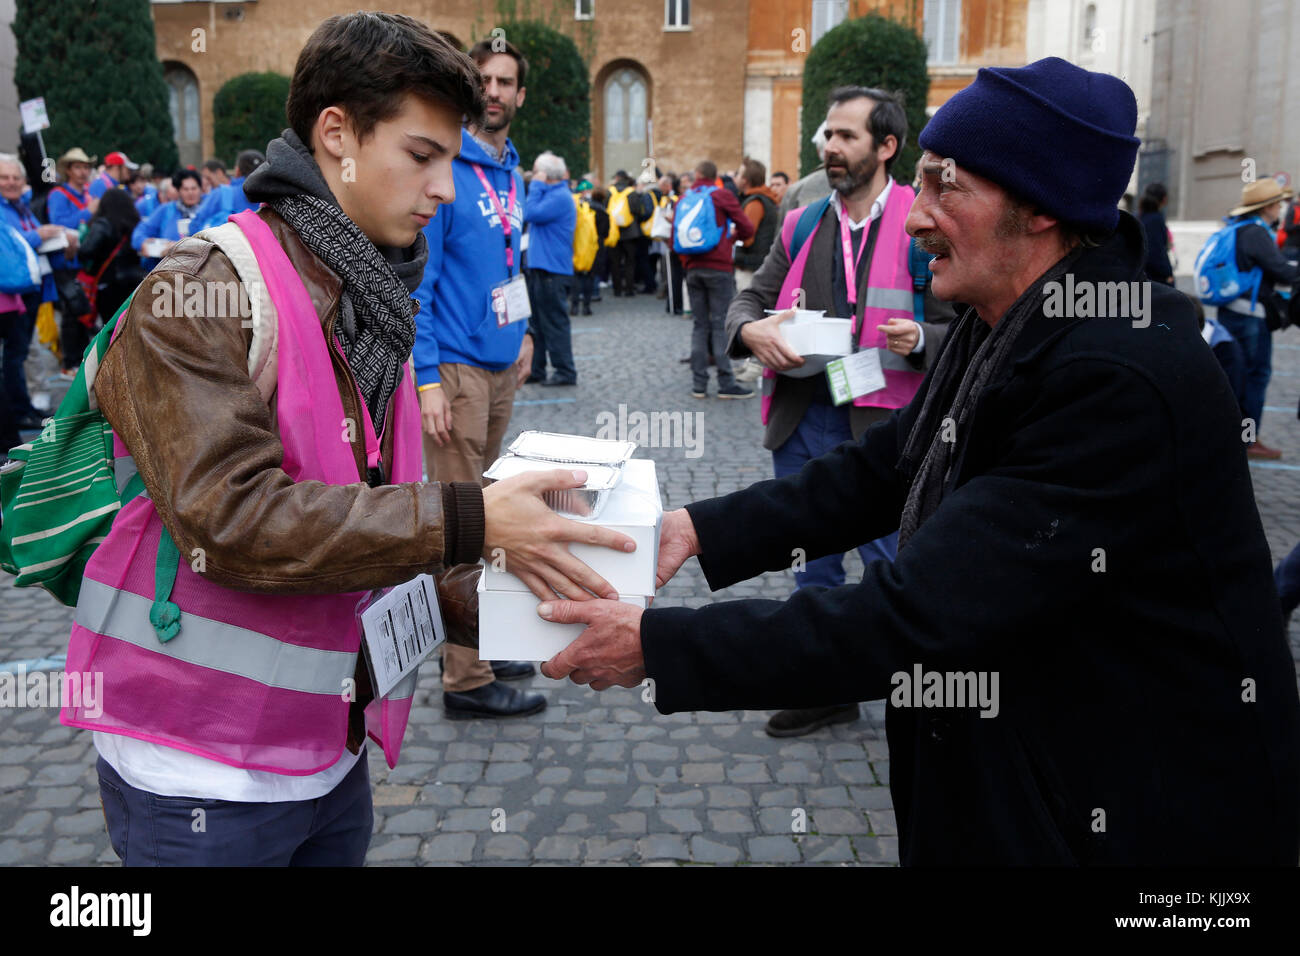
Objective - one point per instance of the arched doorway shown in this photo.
(183, 101)
(625, 108)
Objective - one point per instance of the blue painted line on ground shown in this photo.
(1286, 346)
(1276, 466)
(1278, 408)
(53, 662)
(544, 401)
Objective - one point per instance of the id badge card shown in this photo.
(510, 301)
(400, 629)
(855, 375)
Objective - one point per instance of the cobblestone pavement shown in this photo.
(596, 778)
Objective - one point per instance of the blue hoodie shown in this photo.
(220, 204)
(551, 216)
(467, 258)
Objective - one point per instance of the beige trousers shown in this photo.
(481, 405)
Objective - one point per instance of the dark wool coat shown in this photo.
(1098, 548)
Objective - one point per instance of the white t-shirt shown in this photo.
(171, 772)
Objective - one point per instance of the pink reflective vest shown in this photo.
(258, 681)
(889, 295)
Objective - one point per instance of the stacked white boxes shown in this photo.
(509, 628)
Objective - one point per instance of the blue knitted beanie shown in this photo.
(1050, 133)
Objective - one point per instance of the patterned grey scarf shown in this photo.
(941, 445)
(376, 324)
(376, 312)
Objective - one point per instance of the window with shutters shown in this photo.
(677, 14)
(942, 31)
(826, 15)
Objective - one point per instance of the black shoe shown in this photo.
(573, 309)
(595, 298)
(796, 723)
(586, 309)
(512, 670)
(534, 379)
(559, 381)
(30, 422)
(735, 391)
(490, 701)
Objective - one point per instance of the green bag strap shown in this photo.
(164, 614)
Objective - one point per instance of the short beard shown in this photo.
(507, 114)
(855, 176)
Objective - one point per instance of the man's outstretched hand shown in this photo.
(607, 653)
(677, 542)
(522, 528)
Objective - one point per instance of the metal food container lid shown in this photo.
(571, 449)
(599, 477)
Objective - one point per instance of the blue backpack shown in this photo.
(695, 223)
(1218, 280)
(20, 271)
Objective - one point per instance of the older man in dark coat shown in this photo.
(1080, 643)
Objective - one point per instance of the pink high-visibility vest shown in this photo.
(889, 295)
(258, 681)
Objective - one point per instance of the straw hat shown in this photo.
(1257, 195)
(75, 155)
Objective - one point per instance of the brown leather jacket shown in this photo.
(177, 392)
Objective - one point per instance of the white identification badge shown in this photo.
(401, 628)
(510, 301)
(855, 375)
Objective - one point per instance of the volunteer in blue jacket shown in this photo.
(70, 204)
(225, 201)
(551, 217)
(173, 220)
(16, 327)
(471, 351)
(117, 169)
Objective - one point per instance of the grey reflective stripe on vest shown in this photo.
(213, 644)
(899, 299)
(123, 471)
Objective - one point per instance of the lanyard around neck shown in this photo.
(850, 263)
(503, 214)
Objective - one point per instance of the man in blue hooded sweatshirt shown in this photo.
(471, 347)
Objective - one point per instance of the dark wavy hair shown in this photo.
(117, 206)
(365, 62)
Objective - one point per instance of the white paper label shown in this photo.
(855, 375)
(510, 301)
(401, 629)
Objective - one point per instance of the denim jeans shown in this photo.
(584, 285)
(711, 292)
(148, 829)
(549, 295)
(1257, 347)
(824, 428)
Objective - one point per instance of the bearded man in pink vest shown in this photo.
(273, 494)
(858, 229)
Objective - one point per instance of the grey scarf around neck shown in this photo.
(942, 446)
(376, 324)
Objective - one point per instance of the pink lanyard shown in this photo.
(850, 263)
(503, 214)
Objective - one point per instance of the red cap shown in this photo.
(119, 159)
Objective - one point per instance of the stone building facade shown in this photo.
(673, 80)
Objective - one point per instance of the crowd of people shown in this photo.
(979, 454)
